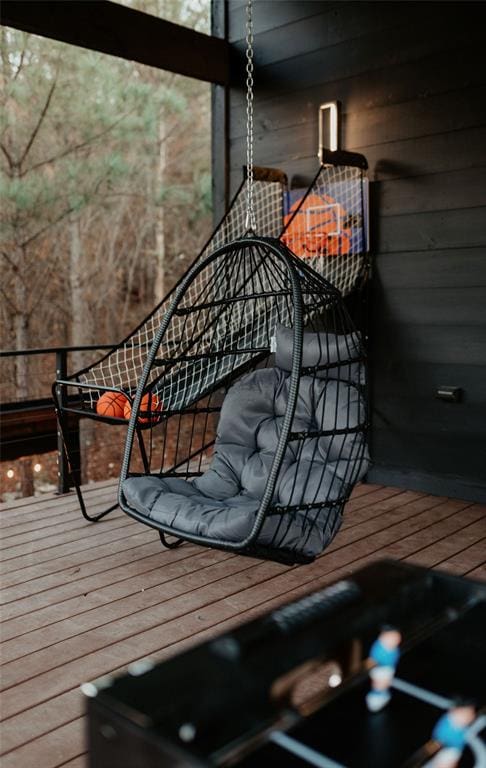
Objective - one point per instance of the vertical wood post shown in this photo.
(70, 436)
(220, 122)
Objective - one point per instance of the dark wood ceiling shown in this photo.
(121, 31)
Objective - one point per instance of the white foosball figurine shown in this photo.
(450, 732)
(384, 654)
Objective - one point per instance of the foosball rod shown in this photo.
(305, 753)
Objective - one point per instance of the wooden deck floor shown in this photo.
(81, 600)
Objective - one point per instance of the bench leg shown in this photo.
(73, 470)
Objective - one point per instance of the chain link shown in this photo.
(250, 213)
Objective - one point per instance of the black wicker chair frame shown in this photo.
(247, 290)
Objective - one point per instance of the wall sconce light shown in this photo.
(328, 128)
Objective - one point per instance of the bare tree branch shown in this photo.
(38, 301)
(10, 261)
(168, 134)
(10, 160)
(38, 125)
(22, 57)
(8, 300)
(47, 227)
(76, 147)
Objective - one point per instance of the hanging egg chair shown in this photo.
(246, 449)
(250, 413)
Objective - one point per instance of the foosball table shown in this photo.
(384, 668)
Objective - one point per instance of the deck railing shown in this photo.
(28, 423)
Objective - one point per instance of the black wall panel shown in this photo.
(411, 79)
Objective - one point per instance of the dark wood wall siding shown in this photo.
(411, 79)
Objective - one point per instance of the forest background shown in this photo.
(106, 200)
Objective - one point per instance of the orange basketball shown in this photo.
(318, 228)
(150, 403)
(111, 404)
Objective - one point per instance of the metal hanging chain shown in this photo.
(250, 212)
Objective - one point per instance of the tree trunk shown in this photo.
(160, 215)
(22, 389)
(80, 333)
(21, 327)
(78, 308)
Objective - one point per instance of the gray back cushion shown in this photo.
(323, 349)
(249, 429)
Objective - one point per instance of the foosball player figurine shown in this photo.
(450, 732)
(384, 655)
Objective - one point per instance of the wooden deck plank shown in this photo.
(44, 588)
(45, 508)
(374, 493)
(49, 750)
(141, 632)
(436, 532)
(478, 572)
(355, 515)
(357, 501)
(12, 559)
(65, 702)
(66, 608)
(16, 604)
(440, 552)
(82, 546)
(189, 595)
(140, 611)
(336, 541)
(66, 586)
(121, 636)
(41, 719)
(53, 504)
(18, 509)
(468, 558)
(249, 614)
(45, 525)
(63, 708)
(47, 576)
(63, 600)
(48, 507)
(45, 547)
(78, 762)
(58, 622)
(16, 505)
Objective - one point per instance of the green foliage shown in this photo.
(101, 127)
(83, 136)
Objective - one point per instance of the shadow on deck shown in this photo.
(80, 601)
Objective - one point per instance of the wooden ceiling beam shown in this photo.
(124, 32)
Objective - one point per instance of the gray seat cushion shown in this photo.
(224, 501)
(166, 501)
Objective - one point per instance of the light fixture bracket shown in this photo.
(328, 113)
